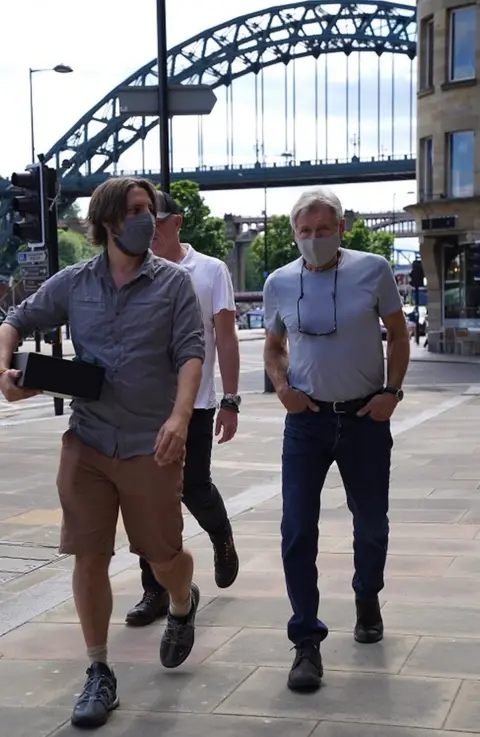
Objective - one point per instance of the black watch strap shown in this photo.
(230, 405)
(398, 393)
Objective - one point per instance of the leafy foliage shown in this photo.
(361, 238)
(74, 247)
(281, 247)
(205, 233)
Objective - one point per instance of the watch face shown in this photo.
(235, 398)
(398, 393)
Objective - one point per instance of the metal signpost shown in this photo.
(33, 269)
(183, 99)
(164, 100)
(162, 93)
(31, 257)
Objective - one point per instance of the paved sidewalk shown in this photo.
(419, 353)
(423, 680)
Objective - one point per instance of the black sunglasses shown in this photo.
(302, 294)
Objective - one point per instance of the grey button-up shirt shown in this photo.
(142, 334)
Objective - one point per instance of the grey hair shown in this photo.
(309, 201)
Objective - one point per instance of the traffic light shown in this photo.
(31, 204)
(473, 260)
(417, 277)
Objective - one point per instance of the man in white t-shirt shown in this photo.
(214, 288)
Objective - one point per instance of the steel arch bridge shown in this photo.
(89, 152)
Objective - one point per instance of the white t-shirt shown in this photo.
(213, 284)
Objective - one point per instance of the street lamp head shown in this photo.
(62, 69)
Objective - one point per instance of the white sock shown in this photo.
(97, 654)
(181, 610)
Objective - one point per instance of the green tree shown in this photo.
(74, 247)
(204, 232)
(253, 277)
(361, 238)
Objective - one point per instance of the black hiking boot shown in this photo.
(153, 606)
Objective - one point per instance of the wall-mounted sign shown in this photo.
(440, 223)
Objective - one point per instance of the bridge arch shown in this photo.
(219, 55)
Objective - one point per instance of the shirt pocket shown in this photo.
(88, 323)
(148, 323)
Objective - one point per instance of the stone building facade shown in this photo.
(448, 170)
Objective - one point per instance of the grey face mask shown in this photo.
(319, 251)
(137, 234)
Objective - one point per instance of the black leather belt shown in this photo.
(350, 407)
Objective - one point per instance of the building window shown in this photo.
(461, 296)
(461, 151)
(426, 54)
(463, 42)
(426, 172)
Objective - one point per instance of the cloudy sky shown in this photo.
(106, 40)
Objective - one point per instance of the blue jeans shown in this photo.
(361, 447)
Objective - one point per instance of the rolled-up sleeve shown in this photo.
(46, 309)
(188, 339)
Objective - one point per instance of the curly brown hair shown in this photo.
(108, 205)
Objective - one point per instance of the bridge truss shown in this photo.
(249, 45)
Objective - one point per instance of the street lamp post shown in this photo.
(59, 69)
(162, 64)
(268, 386)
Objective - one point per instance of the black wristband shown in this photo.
(226, 404)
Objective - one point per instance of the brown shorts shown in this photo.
(92, 488)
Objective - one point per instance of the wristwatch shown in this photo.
(231, 402)
(398, 393)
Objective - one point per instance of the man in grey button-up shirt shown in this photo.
(123, 331)
(137, 316)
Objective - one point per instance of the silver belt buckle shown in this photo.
(338, 411)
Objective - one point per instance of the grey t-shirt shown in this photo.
(347, 364)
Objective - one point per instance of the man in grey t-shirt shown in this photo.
(326, 306)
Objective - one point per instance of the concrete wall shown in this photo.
(443, 108)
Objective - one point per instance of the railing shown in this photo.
(275, 165)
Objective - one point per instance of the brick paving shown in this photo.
(423, 680)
